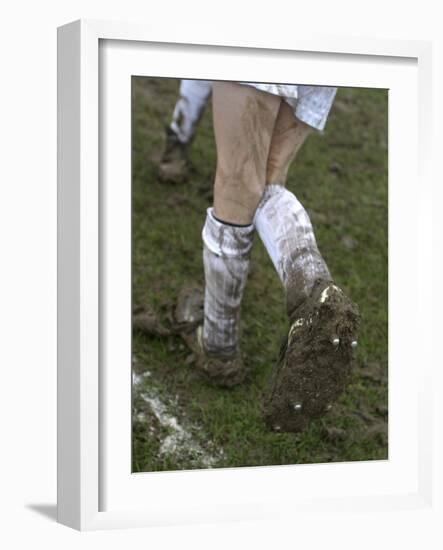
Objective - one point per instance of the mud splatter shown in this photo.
(287, 233)
(226, 265)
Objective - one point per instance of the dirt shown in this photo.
(296, 256)
(147, 321)
(167, 222)
(156, 423)
(313, 371)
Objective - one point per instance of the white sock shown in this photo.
(194, 95)
(226, 261)
(287, 233)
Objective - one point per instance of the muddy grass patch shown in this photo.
(341, 178)
(162, 436)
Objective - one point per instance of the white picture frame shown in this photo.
(97, 492)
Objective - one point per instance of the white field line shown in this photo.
(179, 438)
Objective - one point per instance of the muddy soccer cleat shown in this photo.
(174, 165)
(316, 360)
(221, 370)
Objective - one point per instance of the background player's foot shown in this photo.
(316, 360)
(174, 164)
(221, 370)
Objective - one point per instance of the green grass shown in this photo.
(341, 178)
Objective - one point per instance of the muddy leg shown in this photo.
(287, 233)
(288, 137)
(244, 119)
(174, 164)
(194, 95)
(281, 221)
(226, 262)
(318, 354)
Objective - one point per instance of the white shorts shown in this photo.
(311, 104)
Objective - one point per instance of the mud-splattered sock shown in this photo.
(287, 233)
(194, 95)
(226, 261)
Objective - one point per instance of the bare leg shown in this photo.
(244, 120)
(288, 137)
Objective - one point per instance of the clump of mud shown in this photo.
(316, 360)
(145, 320)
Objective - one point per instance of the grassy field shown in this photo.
(181, 422)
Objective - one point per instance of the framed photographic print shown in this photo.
(240, 262)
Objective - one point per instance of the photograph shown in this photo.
(259, 274)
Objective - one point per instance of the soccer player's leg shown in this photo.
(174, 164)
(318, 353)
(244, 119)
